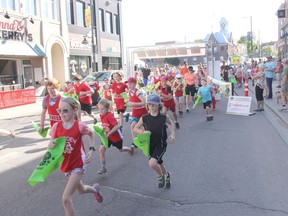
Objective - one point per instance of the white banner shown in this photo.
(224, 88)
(239, 105)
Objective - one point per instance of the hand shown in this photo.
(106, 134)
(171, 139)
(41, 129)
(89, 156)
(51, 144)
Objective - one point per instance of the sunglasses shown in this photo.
(62, 110)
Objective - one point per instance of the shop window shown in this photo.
(30, 7)
(109, 24)
(8, 4)
(69, 11)
(117, 24)
(80, 13)
(26, 62)
(101, 19)
(79, 65)
(51, 9)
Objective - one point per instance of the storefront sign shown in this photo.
(239, 105)
(78, 44)
(15, 30)
(17, 98)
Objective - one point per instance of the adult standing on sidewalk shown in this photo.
(270, 67)
(278, 72)
(284, 85)
(259, 86)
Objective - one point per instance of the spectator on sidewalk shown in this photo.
(259, 78)
(284, 85)
(278, 72)
(145, 73)
(270, 67)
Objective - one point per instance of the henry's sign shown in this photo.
(15, 30)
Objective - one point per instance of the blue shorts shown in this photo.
(134, 119)
(178, 98)
(78, 171)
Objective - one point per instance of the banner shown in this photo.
(17, 97)
(239, 105)
(224, 88)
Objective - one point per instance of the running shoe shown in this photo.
(187, 110)
(102, 171)
(168, 181)
(161, 181)
(98, 196)
(180, 113)
(177, 125)
(127, 117)
(132, 150)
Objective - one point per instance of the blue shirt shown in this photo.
(205, 92)
(269, 68)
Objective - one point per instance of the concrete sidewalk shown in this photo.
(272, 104)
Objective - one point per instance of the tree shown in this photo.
(243, 40)
(173, 61)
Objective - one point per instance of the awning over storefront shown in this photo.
(17, 48)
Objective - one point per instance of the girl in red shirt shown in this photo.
(111, 131)
(177, 88)
(107, 93)
(75, 158)
(119, 87)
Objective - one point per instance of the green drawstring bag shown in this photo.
(52, 159)
(142, 141)
(100, 132)
(197, 102)
(125, 97)
(37, 128)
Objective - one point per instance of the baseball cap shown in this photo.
(178, 76)
(153, 99)
(261, 65)
(131, 80)
(269, 57)
(77, 77)
(164, 78)
(285, 60)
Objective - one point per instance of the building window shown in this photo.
(117, 23)
(69, 11)
(51, 9)
(101, 20)
(8, 4)
(109, 23)
(79, 65)
(30, 7)
(80, 13)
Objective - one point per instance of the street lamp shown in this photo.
(93, 35)
(6, 14)
(211, 44)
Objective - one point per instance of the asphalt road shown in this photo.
(233, 165)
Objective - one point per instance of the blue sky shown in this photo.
(146, 22)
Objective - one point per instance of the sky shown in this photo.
(146, 22)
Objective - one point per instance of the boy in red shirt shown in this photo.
(119, 87)
(166, 96)
(177, 88)
(112, 132)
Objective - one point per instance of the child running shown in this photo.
(137, 101)
(205, 91)
(119, 87)
(156, 124)
(177, 88)
(75, 158)
(166, 95)
(107, 92)
(50, 103)
(111, 131)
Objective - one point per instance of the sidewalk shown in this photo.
(270, 103)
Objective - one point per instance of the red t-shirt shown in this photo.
(106, 89)
(74, 152)
(53, 114)
(137, 111)
(117, 89)
(166, 91)
(83, 87)
(179, 91)
(108, 122)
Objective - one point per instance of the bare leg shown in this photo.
(155, 166)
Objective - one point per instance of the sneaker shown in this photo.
(95, 121)
(187, 110)
(161, 181)
(168, 181)
(132, 150)
(284, 108)
(180, 113)
(102, 171)
(177, 125)
(127, 117)
(98, 196)
(279, 86)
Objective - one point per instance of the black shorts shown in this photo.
(118, 145)
(86, 107)
(158, 152)
(207, 104)
(259, 93)
(190, 90)
(121, 111)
